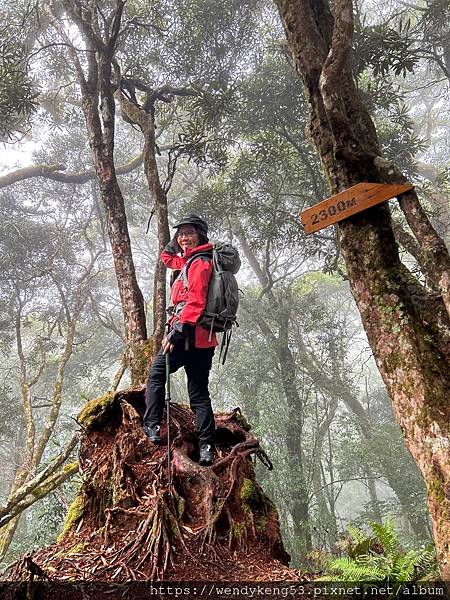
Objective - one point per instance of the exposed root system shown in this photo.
(124, 525)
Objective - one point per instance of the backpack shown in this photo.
(222, 302)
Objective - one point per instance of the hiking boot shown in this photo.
(206, 455)
(153, 433)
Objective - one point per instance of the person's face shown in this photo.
(187, 237)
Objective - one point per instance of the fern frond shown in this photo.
(386, 536)
(356, 570)
(357, 534)
(381, 558)
(426, 566)
(404, 565)
(359, 542)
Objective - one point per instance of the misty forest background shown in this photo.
(234, 151)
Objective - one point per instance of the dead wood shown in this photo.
(123, 525)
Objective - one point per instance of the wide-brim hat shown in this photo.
(200, 225)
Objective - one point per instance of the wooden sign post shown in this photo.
(349, 202)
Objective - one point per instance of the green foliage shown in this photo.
(17, 91)
(380, 557)
(358, 544)
(384, 49)
(398, 136)
(443, 178)
(213, 102)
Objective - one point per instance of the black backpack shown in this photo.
(222, 303)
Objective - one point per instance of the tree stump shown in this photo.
(124, 525)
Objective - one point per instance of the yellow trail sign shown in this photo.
(353, 200)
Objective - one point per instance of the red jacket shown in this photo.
(199, 275)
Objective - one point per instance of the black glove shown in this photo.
(174, 337)
(172, 247)
(179, 332)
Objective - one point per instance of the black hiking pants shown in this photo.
(197, 364)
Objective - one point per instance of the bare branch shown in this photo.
(52, 172)
(413, 6)
(302, 152)
(73, 7)
(175, 91)
(148, 26)
(111, 46)
(53, 45)
(28, 488)
(107, 322)
(253, 261)
(71, 48)
(41, 491)
(118, 376)
(164, 93)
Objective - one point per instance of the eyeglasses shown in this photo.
(189, 233)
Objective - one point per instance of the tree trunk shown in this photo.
(373, 498)
(100, 124)
(326, 509)
(145, 120)
(299, 507)
(410, 348)
(300, 501)
(117, 227)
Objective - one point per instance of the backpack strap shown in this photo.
(184, 271)
(224, 346)
(182, 274)
(174, 276)
(226, 339)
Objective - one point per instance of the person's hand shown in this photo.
(173, 247)
(166, 346)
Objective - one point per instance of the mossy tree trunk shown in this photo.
(99, 112)
(143, 116)
(407, 327)
(36, 442)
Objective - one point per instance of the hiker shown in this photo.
(189, 344)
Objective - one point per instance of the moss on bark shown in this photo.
(144, 355)
(94, 408)
(407, 327)
(74, 515)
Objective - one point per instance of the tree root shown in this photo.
(128, 527)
